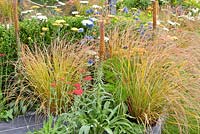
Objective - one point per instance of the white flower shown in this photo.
(96, 7)
(38, 14)
(93, 19)
(173, 23)
(91, 52)
(165, 29)
(75, 12)
(61, 3)
(41, 17)
(27, 11)
(195, 10)
(106, 39)
(84, 2)
(87, 22)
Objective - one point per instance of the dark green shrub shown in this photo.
(141, 4)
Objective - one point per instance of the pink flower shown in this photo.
(88, 78)
(78, 91)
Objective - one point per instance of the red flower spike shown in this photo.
(78, 91)
(2, 55)
(53, 84)
(77, 85)
(88, 78)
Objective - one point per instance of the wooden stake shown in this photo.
(154, 14)
(16, 24)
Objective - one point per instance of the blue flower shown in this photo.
(88, 37)
(90, 26)
(90, 62)
(137, 19)
(88, 23)
(125, 10)
(97, 13)
(80, 30)
(89, 11)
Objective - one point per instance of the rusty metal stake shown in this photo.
(154, 14)
(16, 24)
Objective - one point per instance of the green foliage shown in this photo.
(96, 112)
(140, 4)
(5, 114)
(52, 126)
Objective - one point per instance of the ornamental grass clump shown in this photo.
(151, 82)
(49, 76)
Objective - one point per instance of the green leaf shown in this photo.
(84, 130)
(108, 130)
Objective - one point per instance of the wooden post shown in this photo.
(102, 41)
(154, 14)
(16, 24)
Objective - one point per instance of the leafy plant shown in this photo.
(51, 126)
(5, 114)
(142, 4)
(97, 112)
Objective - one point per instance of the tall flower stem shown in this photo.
(102, 42)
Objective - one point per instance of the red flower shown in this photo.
(53, 84)
(2, 55)
(78, 91)
(88, 78)
(77, 85)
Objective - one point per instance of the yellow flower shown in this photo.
(29, 38)
(66, 24)
(44, 29)
(111, 16)
(74, 29)
(77, 16)
(42, 33)
(60, 21)
(58, 10)
(35, 7)
(174, 38)
(57, 24)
